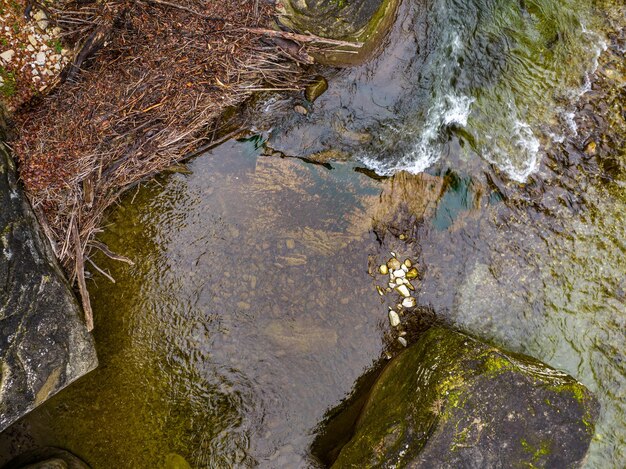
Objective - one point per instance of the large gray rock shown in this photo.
(44, 344)
(450, 401)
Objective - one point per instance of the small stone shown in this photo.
(590, 148)
(316, 89)
(383, 269)
(412, 273)
(30, 48)
(408, 263)
(403, 290)
(392, 285)
(40, 15)
(41, 58)
(43, 24)
(405, 268)
(399, 273)
(402, 341)
(409, 302)
(300, 109)
(380, 291)
(393, 264)
(290, 243)
(32, 40)
(394, 319)
(402, 236)
(7, 56)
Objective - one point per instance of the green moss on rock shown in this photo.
(453, 401)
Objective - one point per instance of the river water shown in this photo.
(250, 312)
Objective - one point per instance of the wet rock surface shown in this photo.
(452, 401)
(44, 344)
(360, 21)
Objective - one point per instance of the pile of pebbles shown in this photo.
(400, 275)
(31, 53)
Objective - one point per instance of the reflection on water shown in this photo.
(249, 312)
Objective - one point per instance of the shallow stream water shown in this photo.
(250, 312)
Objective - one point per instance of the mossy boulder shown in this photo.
(360, 21)
(452, 401)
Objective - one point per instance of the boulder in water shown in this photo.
(453, 401)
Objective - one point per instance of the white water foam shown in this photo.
(450, 109)
(512, 146)
(523, 142)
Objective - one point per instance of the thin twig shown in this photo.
(80, 274)
(184, 8)
(305, 38)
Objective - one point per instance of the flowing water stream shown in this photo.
(250, 312)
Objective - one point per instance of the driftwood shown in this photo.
(303, 38)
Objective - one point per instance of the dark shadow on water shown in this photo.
(339, 423)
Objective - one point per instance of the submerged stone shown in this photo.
(44, 344)
(453, 401)
(316, 89)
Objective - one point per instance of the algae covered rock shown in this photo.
(365, 22)
(44, 344)
(452, 401)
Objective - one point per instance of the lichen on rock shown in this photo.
(453, 401)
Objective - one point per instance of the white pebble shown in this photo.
(402, 341)
(403, 290)
(409, 302)
(7, 55)
(399, 273)
(394, 319)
